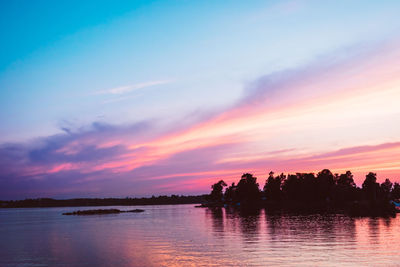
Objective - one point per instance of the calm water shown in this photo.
(181, 235)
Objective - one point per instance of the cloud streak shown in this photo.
(133, 87)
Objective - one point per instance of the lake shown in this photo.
(181, 235)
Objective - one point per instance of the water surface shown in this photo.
(181, 235)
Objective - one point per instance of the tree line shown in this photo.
(324, 191)
(77, 202)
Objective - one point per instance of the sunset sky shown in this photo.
(140, 98)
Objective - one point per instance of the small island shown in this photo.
(309, 193)
(101, 211)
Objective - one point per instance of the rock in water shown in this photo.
(100, 211)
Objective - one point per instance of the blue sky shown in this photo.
(56, 54)
(68, 65)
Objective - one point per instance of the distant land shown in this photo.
(80, 202)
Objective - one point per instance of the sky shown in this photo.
(139, 98)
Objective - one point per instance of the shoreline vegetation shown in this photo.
(92, 202)
(309, 193)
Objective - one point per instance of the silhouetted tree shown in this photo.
(230, 194)
(386, 188)
(370, 187)
(290, 187)
(395, 194)
(308, 186)
(325, 183)
(272, 187)
(346, 179)
(216, 193)
(247, 189)
(345, 189)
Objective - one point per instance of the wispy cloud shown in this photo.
(133, 87)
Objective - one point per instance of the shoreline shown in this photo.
(97, 202)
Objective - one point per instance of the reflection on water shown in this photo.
(182, 235)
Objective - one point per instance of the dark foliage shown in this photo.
(230, 194)
(345, 189)
(247, 189)
(216, 193)
(273, 186)
(325, 192)
(370, 187)
(395, 193)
